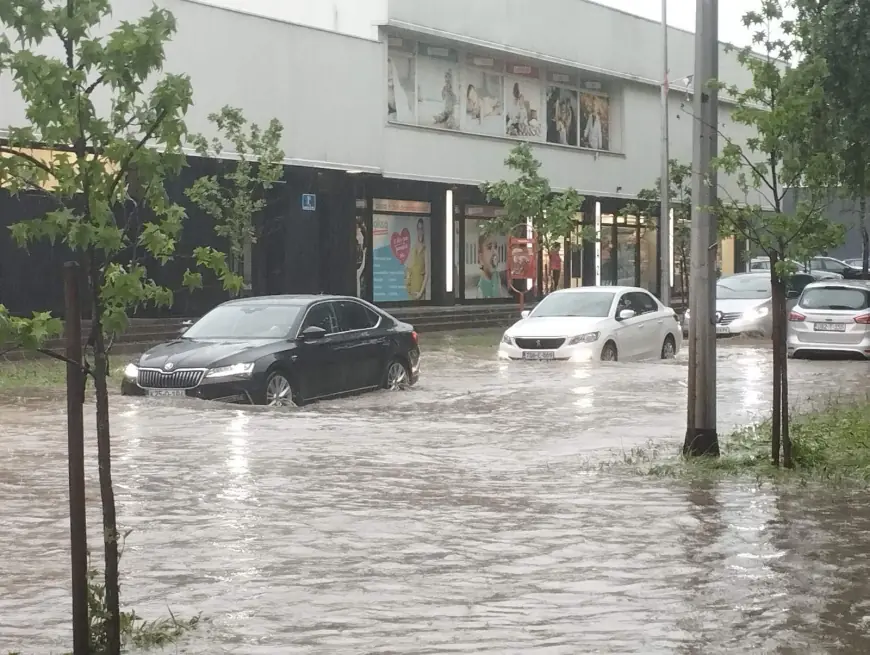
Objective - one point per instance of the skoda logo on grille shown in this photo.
(169, 366)
(718, 317)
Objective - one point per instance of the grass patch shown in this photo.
(830, 445)
(46, 373)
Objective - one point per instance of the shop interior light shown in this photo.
(671, 247)
(448, 241)
(597, 244)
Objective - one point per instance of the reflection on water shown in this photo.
(457, 517)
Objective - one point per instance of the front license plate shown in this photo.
(166, 392)
(539, 354)
(829, 327)
(723, 329)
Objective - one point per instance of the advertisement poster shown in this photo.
(482, 102)
(523, 115)
(563, 116)
(486, 257)
(361, 259)
(438, 88)
(594, 121)
(401, 260)
(401, 87)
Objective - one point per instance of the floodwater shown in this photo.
(463, 516)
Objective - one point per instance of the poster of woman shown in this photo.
(594, 121)
(361, 259)
(438, 92)
(562, 116)
(485, 262)
(482, 102)
(523, 108)
(400, 88)
(401, 261)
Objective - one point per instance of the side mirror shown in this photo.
(525, 313)
(185, 326)
(313, 333)
(626, 314)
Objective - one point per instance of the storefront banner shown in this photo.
(438, 99)
(563, 116)
(401, 87)
(594, 121)
(401, 261)
(482, 102)
(486, 257)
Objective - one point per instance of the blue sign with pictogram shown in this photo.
(309, 202)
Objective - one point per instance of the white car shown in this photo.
(831, 317)
(591, 323)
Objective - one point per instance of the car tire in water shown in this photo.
(396, 376)
(669, 348)
(609, 352)
(279, 391)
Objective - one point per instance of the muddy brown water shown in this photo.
(460, 517)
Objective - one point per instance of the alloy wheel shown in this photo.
(669, 349)
(397, 376)
(279, 392)
(609, 353)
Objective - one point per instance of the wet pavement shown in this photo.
(462, 516)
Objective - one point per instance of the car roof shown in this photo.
(600, 288)
(840, 282)
(294, 299)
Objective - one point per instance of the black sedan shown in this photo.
(281, 350)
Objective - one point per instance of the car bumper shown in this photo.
(239, 391)
(803, 343)
(736, 328)
(581, 352)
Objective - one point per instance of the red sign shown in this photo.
(522, 259)
(400, 244)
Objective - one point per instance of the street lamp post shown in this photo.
(701, 436)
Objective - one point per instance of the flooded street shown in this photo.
(463, 516)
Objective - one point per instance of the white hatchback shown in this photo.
(592, 323)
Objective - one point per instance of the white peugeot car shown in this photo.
(591, 323)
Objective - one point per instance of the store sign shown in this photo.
(523, 70)
(484, 211)
(401, 206)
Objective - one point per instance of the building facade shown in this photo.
(396, 111)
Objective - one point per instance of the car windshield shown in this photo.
(254, 321)
(835, 298)
(588, 304)
(743, 287)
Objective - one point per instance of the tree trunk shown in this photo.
(786, 437)
(865, 240)
(107, 492)
(777, 319)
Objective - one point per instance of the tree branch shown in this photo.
(122, 169)
(28, 158)
(86, 369)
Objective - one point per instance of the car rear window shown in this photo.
(835, 298)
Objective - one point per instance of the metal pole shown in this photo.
(76, 448)
(665, 200)
(701, 436)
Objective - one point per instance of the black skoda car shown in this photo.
(281, 350)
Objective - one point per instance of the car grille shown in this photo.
(181, 379)
(540, 344)
(727, 319)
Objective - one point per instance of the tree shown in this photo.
(648, 204)
(529, 196)
(836, 31)
(789, 154)
(236, 196)
(102, 165)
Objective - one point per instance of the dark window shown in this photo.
(836, 298)
(642, 303)
(321, 315)
(817, 265)
(354, 316)
(245, 321)
(799, 281)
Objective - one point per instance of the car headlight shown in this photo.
(589, 337)
(756, 312)
(131, 371)
(232, 371)
(508, 340)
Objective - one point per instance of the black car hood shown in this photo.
(196, 353)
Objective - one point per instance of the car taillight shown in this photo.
(795, 317)
(414, 337)
(864, 319)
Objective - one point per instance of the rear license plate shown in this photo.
(723, 329)
(829, 327)
(539, 354)
(166, 392)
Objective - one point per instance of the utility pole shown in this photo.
(665, 190)
(701, 436)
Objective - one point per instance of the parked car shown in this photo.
(831, 317)
(281, 350)
(743, 303)
(831, 265)
(857, 262)
(758, 264)
(591, 323)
